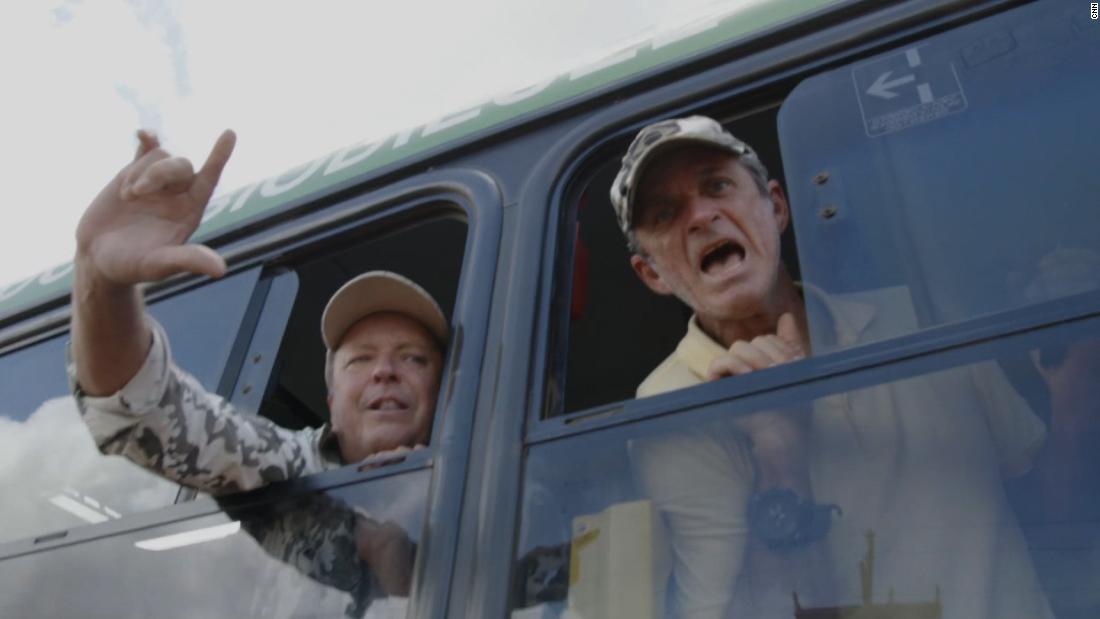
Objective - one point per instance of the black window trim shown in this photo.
(957, 342)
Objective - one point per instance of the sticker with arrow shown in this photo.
(902, 90)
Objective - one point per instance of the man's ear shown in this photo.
(649, 276)
(780, 207)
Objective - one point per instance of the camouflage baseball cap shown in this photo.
(656, 138)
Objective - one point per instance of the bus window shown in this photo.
(943, 176)
(54, 476)
(942, 489)
(930, 211)
(378, 523)
(941, 183)
(610, 330)
(344, 552)
(337, 544)
(429, 253)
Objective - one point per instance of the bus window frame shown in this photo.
(213, 371)
(1012, 334)
(470, 194)
(720, 92)
(760, 67)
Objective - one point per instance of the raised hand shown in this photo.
(136, 229)
(764, 351)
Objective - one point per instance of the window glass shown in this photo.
(925, 489)
(429, 253)
(957, 173)
(52, 474)
(954, 177)
(347, 552)
(611, 331)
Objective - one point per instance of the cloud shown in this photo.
(297, 80)
(149, 116)
(51, 455)
(162, 15)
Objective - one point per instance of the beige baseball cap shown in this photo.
(380, 291)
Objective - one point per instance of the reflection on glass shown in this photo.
(54, 478)
(348, 552)
(958, 232)
(966, 492)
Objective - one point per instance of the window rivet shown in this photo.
(821, 178)
(257, 358)
(246, 389)
(828, 212)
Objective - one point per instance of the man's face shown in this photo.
(711, 236)
(385, 378)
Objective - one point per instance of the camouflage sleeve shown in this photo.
(165, 421)
(315, 535)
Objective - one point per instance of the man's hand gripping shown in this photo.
(777, 437)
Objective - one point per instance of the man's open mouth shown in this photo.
(725, 254)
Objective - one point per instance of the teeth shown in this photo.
(723, 256)
(388, 405)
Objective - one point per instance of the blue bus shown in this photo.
(940, 158)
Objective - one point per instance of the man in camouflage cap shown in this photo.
(703, 222)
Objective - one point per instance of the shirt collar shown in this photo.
(329, 447)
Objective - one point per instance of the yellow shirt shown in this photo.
(917, 460)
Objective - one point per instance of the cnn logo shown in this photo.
(1094, 10)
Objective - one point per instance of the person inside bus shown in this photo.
(1069, 464)
(780, 502)
(1057, 501)
(385, 338)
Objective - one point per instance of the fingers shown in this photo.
(389, 456)
(147, 141)
(788, 329)
(154, 171)
(165, 262)
(764, 351)
(727, 365)
(170, 175)
(211, 171)
(774, 350)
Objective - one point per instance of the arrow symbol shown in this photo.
(883, 85)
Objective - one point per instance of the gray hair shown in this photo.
(756, 170)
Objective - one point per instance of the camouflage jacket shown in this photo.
(165, 421)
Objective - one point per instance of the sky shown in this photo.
(295, 80)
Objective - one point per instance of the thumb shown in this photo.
(788, 330)
(165, 262)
